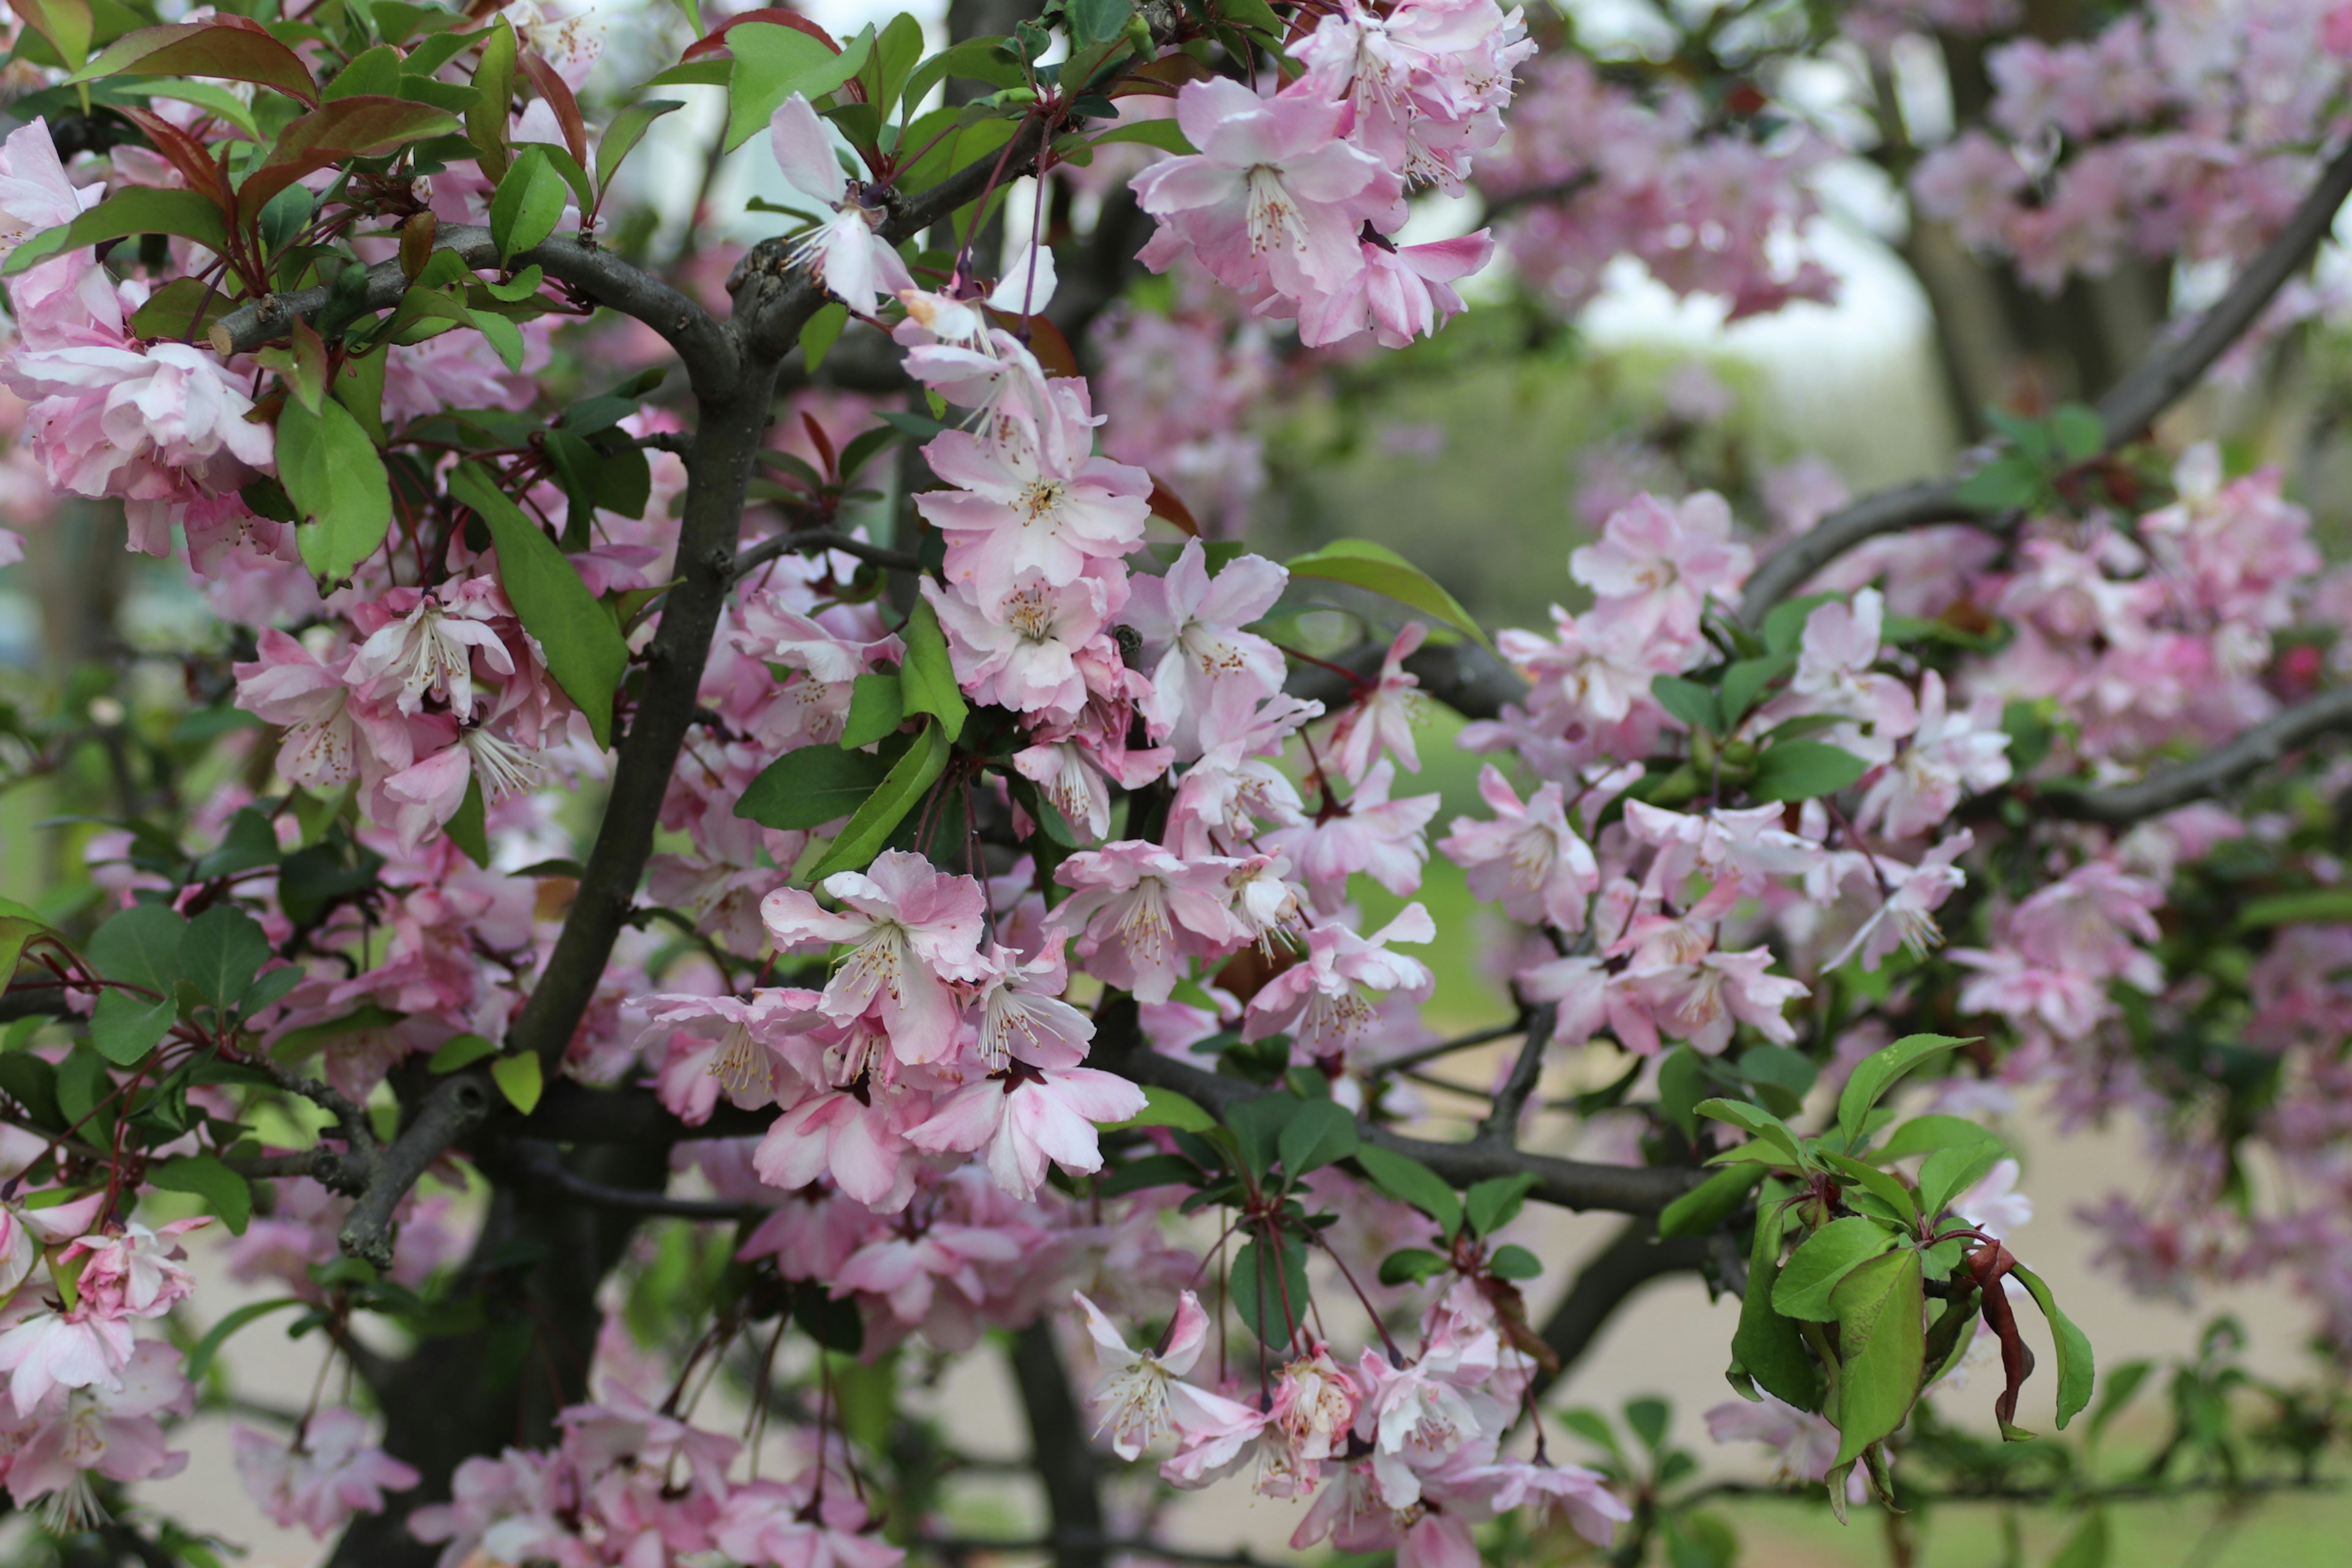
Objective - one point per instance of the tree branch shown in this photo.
(706, 348)
(540, 1163)
(442, 1118)
(1571, 1184)
(2154, 384)
(767, 550)
(2123, 804)
(1501, 1125)
(1065, 1460)
(1633, 1258)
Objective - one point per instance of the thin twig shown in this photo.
(2154, 384)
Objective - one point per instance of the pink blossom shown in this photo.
(1949, 753)
(329, 1473)
(906, 1271)
(1384, 838)
(427, 649)
(1400, 293)
(81, 1348)
(1658, 563)
(1383, 716)
(1802, 1443)
(1140, 912)
(910, 928)
(1018, 1119)
(1579, 1496)
(1023, 1016)
(1274, 197)
(111, 1431)
(1906, 914)
(715, 1044)
(1020, 650)
(1019, 507)
(856, 1134)
(1319, 1001)
(1527, 858)
(1141, 1394)
(802, 1523)
(1194, 643)
(847, 248)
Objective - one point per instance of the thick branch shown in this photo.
(443, 1117)
(703, 345)
(1631, 1259)
(1502, 1123)
(1571, 1184)
(1059, 1452)
(774, 300)
(542, 1165)
(2153, 385)
(2168, 788)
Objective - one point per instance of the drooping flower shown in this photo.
(329, 1471)
(1142, 1394)
(909, 928)
(847, 248)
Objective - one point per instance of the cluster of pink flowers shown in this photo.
(1399, 1454)
(1292, 198)
(1594, 172)
(2173, 132)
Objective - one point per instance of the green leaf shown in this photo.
(1491, 1204)
(1317, 1133)
(1950, 1173)
(459, 1051)
(927, 679)
(271, 989)
(583, 648)
(876, 709)
(869, 827)
(1705, 1206)
(2007, 481)
(16, 931)
(1759, 1123)
(1096, 21)
(1689, 701)
(1769, 1348)
(1166, 1107)
(1409, 1181)
(529, 202)
(208, 1349)
(811, 787)
(1880, 1071)
(1377, 569)
(375, 73)
(135, 209)
(1926, 1134)
(2123, 1382)
(125, 1026)
(1271, 1302)
(140, 946)
(337, 482)
(773, 62)
(1164, 134)
(66, 23)
(1514, 1262)
(207, 49)
(1800, 770)
(1685, 1078)
(1411, 1266)
(1257, 1127)
(1743, 681)
(624, 131)
(1784, 625)
(518, 1079)
(221, 952)
(334, 133)
(821, 331)
(2081, 433)
(1826, 1257)
(2087, 1547)
(225, 1192)
(1151, 1170)
(1877, 1183)
(1884, 1350)
(494, 78)
(2315, 906)
(2076, 1370)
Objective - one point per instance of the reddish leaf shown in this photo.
(1987, 1264)
(184, 152)
(229, 46)
(823, 445)
(559, 99)
(360, 127)
(1165, 503)
(715, 41)
(1160, 77)
(1045, 340)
